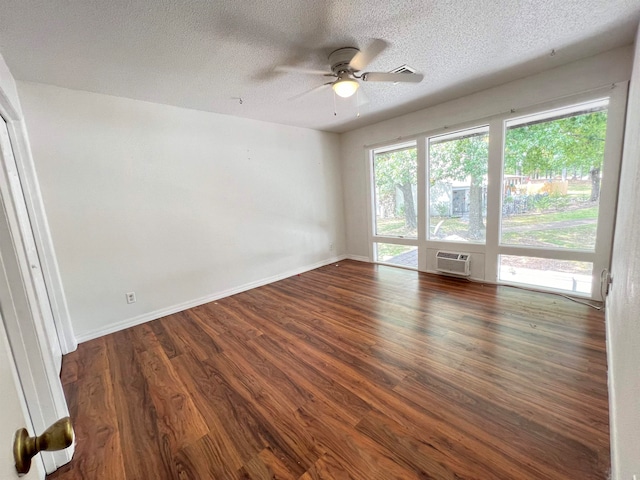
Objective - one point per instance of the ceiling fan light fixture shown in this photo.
(345, 87)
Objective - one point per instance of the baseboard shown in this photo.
(613, 401)
(147, 317)
(358, 258)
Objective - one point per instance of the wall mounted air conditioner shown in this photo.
(455, 263)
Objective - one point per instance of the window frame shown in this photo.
(486, 255)
(449, 135)
(600, 255)
(374, 237)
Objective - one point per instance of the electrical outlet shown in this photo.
(331, 247)
(131, 297)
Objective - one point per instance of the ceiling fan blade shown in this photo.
(309, 92)
(392, 77)
(365, 57)
(308, 71)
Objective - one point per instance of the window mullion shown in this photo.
(494, 200)
(422, 202)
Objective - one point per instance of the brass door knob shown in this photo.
(57, 437)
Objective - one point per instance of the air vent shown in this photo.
(403, 69)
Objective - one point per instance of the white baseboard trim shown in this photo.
(358, 258)
(147, 317)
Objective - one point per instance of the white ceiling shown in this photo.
(201, 53)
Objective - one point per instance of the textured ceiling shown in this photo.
(200, 53)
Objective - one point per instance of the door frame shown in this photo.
(29, 341)
(11, 111)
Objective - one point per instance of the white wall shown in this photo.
(623, 304)
(177, 205)
(8, 89)
(598, 71)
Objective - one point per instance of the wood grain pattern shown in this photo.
(351, 371)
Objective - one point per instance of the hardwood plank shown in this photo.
(359, 456)
(90, 360)
(230, 421)
(145, 450)
(246, 419)
(266, 465)
(519, 437)
(214, 317)
(435, 459)
(362, 366)
(327, 468)
(93, 413)
(206, 458)
(351, 347)
(97, 434)
(69, 373)
(143, 339)
(277, 425)
(165, 339)
(188, 336)
(321, 388)
(349, 371)
(178, 418)
(267, 379)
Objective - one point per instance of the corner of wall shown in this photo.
(623, 302)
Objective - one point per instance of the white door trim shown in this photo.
(13, 198)
(28, 336)
(42, 235)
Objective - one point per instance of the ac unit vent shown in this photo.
(403, 69)
(455, 263)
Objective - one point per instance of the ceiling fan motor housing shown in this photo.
(339, 59)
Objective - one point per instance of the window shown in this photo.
(458, 186)
(551, 181)
(401, 255)
(566, 275)
(529, 196)
(551, 194)
(395, 191)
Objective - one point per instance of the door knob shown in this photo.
(57, 437)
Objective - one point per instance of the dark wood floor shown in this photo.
(349, 371)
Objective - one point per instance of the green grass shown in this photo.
(579, 189)
(541, 231)
(589, 213)
(576, 237)
(393, 227)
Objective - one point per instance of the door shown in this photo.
(13, 414)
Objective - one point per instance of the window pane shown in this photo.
(395, 178)
(404, 255)
(564, 275)
(551, 182)
(458, 186)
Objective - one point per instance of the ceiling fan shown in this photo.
(347, 64)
